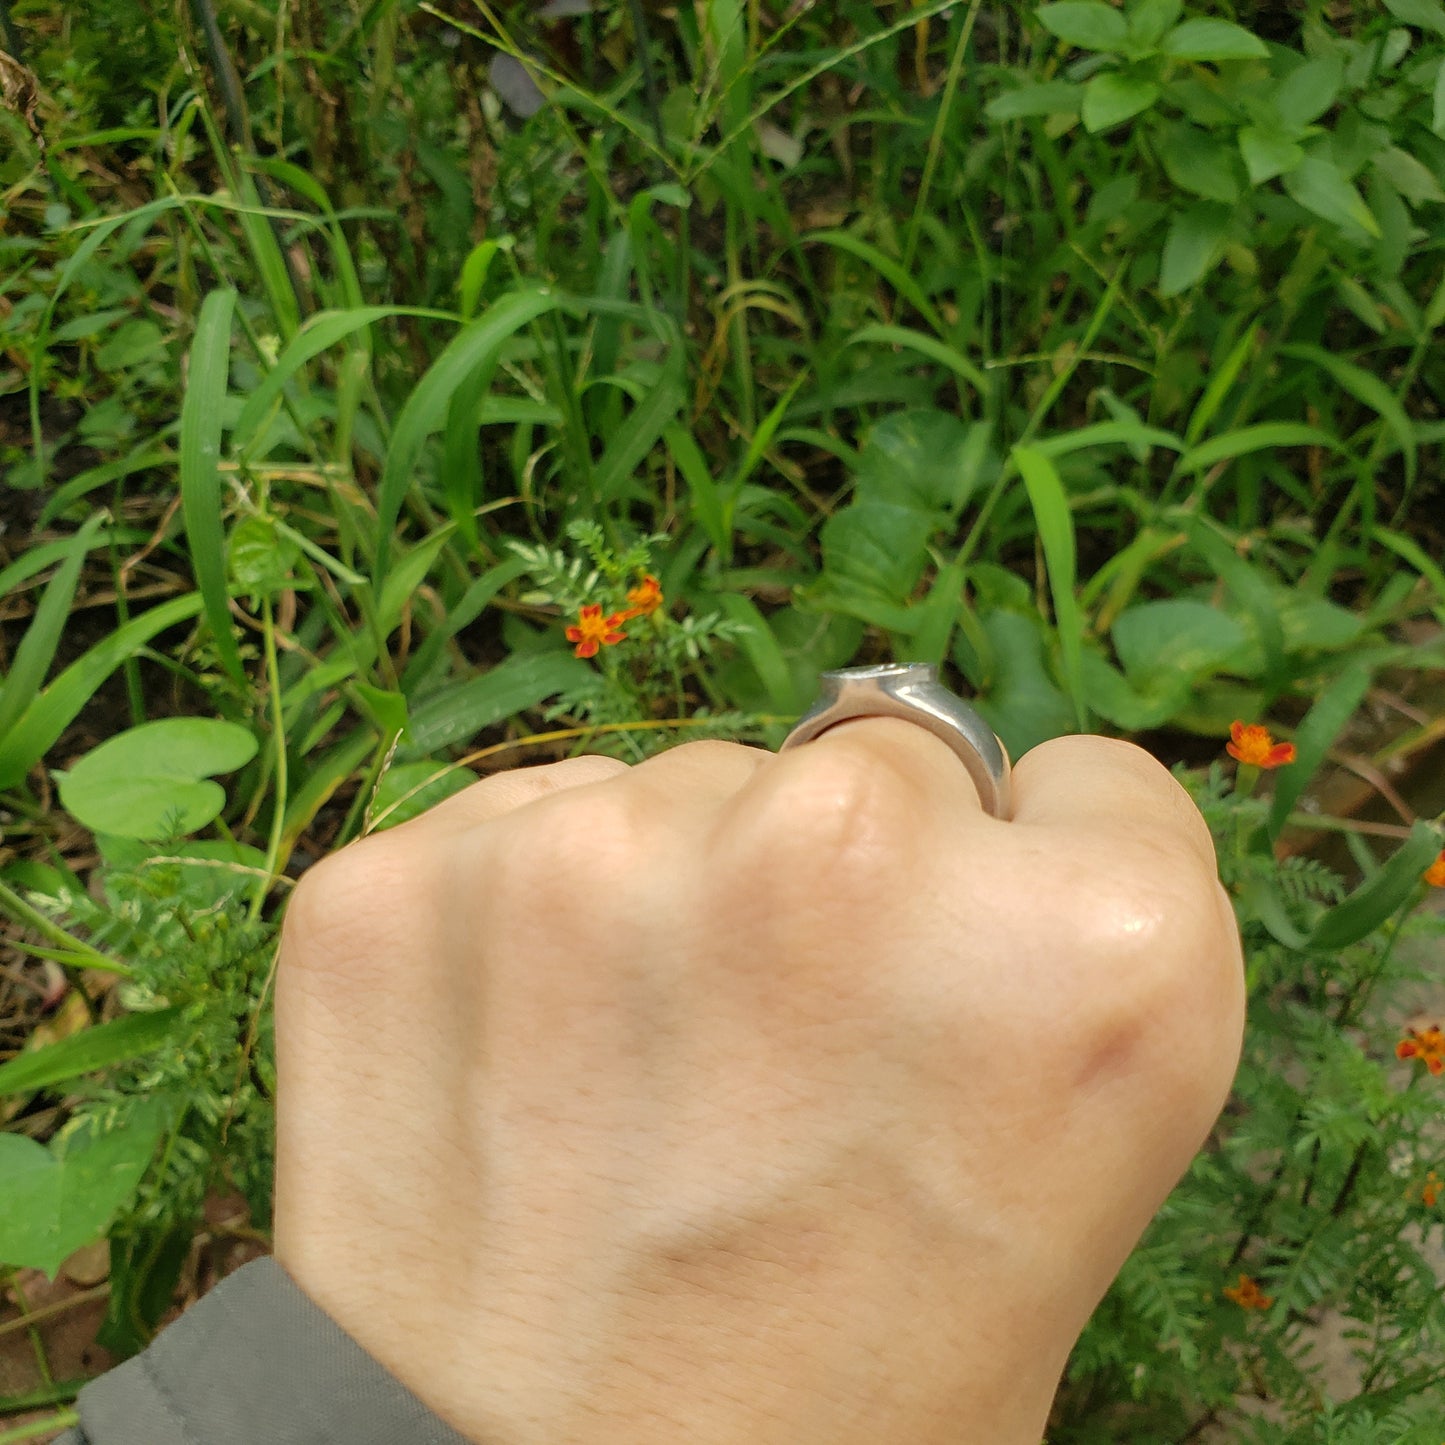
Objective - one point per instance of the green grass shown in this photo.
(870, 334)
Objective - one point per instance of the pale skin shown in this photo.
(749, 1099)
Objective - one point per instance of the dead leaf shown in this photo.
(20, 92)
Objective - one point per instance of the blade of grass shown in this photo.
(201, 413)
(889, 269)
(56, 708)
(37, 648)
(645, 423)
(1370, 391)
(1262, 436)
(320, 333)
(91, 1049)
(1219, 384)
(1378, 897)
(940, 129)
(1056, 532)
(1324, 722)
(929, 346)
(426, 408)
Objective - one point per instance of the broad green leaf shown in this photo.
(1050, 97)
(1055, 524)
(153, 781)
(1174, 636)
(201, 410)
(1023, 705)
(1111, 98)
(1437, 113)
(89, 1050)
(137, 341)
(1414, 181)
(42, 637)
(1150, 20)
(1262, 436)
(1195, 241)
(922, 458)
(938, 615)
(387, 711)
(1315, 624)
(54, 1200)
(1251, 589)
(1368, 389)
(463, 709)
(1203, 164)
(261, 556)
(880, 547)
(427, 407)
(1378, 897)
(1089, 26)
(56, 708)
(1424, 14)
(1267, 154)
(1319, 186)
(1307, 92)
(1313, 739)
(1110, 694)
(1205, 39)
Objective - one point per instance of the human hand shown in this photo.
(739, 1096)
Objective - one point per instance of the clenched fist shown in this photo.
(740, 1097)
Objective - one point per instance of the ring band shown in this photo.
(911, 690)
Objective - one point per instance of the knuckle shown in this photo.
(339, 900)
(600, 835)
(1165, 960)
(831, 820)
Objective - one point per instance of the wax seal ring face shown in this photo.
(911, 690)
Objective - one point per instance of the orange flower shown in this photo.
(1251, 743)
(1427, 1045)
(646, 598)
(1246, 1294)
(592, 630)
(1430, 1190)
(1434, 875)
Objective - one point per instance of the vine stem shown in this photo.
(278, 735)
(61, 1420)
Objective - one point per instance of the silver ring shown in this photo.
(911, 690)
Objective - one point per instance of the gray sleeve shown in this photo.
(254, 1361)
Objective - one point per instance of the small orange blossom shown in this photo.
(1427, 1045)
(1247, 1294)
(593, 630)
(1430, 1190)
(1251, 743)
(1434, 875)
(646, 597)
